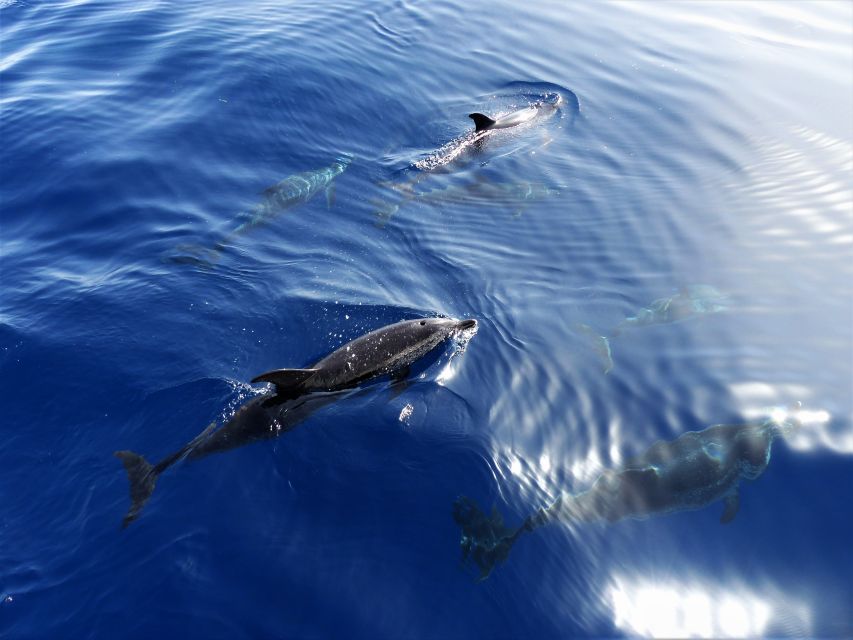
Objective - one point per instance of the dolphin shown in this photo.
(522, 116)
(518, 195)
(484, 127)
(290, 192)
(690, 301)
(298, 394)
(389, 350)
(690, 472)
(261, 418)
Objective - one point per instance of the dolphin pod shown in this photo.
(690, 472)
(298, 393)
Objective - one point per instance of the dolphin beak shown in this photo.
(467, 324)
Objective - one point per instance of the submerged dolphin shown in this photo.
(389, 350)
(261, 418)
(696, 469)
(293, 190)
(690, 302)
(517, 195)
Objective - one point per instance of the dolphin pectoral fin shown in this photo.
(731, 508)
(286, 381)
(400, 381)
(142, 477)
(481, 122)
(601, 345)
(330, 196)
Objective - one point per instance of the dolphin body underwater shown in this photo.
(690, 472)
(290, 192)
(516, 195)
(690, 302)
(298, 393)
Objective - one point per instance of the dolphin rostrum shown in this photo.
(690, 472)
(298, 394)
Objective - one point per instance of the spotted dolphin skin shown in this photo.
(299, 393)
(296, 189)
(695, 470)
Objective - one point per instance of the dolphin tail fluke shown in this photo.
(481, 122)
(485, 541)
(142, 477)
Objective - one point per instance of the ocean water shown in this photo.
(693, 177)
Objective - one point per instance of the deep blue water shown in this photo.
(694, 144)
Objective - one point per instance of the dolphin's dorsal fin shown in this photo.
(286, 380)
(481, 122)
(730, 511)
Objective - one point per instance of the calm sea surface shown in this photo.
(666, 246)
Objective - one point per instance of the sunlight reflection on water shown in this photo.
(687, 610)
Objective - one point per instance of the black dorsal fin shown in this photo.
(286, 381)
(481, 122)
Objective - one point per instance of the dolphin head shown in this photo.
(344, 160)
(440, 328)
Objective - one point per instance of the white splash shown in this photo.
(406, 413)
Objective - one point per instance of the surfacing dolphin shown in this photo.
(298, 394)
(386, 351)
(484, 127)
(695, 470)
(691, 301)
(290, 192)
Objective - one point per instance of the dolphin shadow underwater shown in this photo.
(688, 473)
(299, 393)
